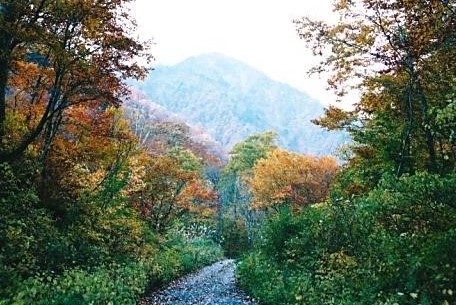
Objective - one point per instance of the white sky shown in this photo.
(257, 32)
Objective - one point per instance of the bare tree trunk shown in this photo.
(430, 141)
(6, 46)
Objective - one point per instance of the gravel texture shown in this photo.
(214, 284)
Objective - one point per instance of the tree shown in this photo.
(91, 148)
(288, 178)
(56, 54)
(244, 155)
(399, 55)
(234, 191)
(172, 187)
(159, 136)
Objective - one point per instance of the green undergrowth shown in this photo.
(116, 282)
(98, 250)
(393, 246)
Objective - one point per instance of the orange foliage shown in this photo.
(92, 139)
(55, 55)
(169, 191)
(288, 178)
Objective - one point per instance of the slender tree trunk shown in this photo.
(51, 130)
(408, 124)
(430, 141)
(3, 88)
(415, 86)
(7, 44)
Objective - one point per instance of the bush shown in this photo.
(118, 282)
(98, 252)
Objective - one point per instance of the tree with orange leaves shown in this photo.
(55, 54)
(90, 148)
(172, 187)
(288, 178)
(400, 56)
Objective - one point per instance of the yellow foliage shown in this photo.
(288, 178)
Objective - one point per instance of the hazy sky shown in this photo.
(257, 32)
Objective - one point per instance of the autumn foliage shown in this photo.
(97, 202)
(87, 214)
(170, 190)
(54, 55)
(289, 178)
(399, 56)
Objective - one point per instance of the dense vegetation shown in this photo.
(386, 233)
(391, 246)
(100, 202)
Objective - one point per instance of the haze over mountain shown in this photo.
(231, 101)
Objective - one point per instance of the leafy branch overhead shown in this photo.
(57, 54)
(400, 56)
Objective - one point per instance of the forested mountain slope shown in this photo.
(158, 128)
(231, 100)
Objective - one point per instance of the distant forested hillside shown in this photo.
(158, 129)
(230, 101)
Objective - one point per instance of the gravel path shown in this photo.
(213, 285)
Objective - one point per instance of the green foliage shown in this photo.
(101, 235)
(239, 223)
(394, 245)
(28, 238)
(105, 284)
(28, 235)
(189, 162)
(97, 251)
(404, 118)
(245, 154)
(70, 232)
(387, 236)
(118, 281)
(179, 254)
(234, 236)
(263, 279)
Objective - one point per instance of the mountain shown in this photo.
(231, 101)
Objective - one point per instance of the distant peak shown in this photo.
(225, 66)
(213, 56)
(218, 59)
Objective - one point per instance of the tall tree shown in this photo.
(92, 148)
(234, 191)
(399, 54)
(55, 54)
(172, 185)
